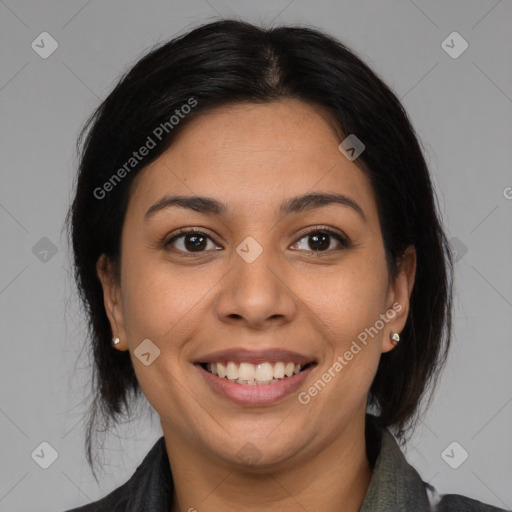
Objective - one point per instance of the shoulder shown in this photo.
(149, 488)
(116, 501)
(396, 485)
(456, 503)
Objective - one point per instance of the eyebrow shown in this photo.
(208, 205)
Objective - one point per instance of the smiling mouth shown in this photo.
(249, 374)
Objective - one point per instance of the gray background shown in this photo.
(462, 110)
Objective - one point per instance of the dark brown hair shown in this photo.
(227, 62)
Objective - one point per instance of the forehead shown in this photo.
(254, 156)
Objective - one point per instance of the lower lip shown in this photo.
(257, 394)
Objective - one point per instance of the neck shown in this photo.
(335, 476)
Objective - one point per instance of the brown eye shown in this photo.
(195, 242)
(321, 240)
(190, 241)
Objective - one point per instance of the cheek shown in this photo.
(158, 299)
(352, 332)
(349, 298)
(161, 305)
(346, 305)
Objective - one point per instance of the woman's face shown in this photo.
(265, 284)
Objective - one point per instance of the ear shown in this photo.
(399, 297)
(112, 299)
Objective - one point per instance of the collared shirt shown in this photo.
(395, 486)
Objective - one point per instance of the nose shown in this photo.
(256, 295)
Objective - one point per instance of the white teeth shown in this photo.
(232, 371)
(264, 372)
(251, 374)
(246, 371)
(279, 370)
(221, 369)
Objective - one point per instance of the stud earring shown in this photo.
(395, 338)
(115, 341)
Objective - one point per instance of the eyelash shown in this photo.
(317, 229)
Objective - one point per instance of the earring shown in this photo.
(395, 338)
(115, 341)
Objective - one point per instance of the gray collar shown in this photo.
(395, 485)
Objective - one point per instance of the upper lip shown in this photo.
(242, 355)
